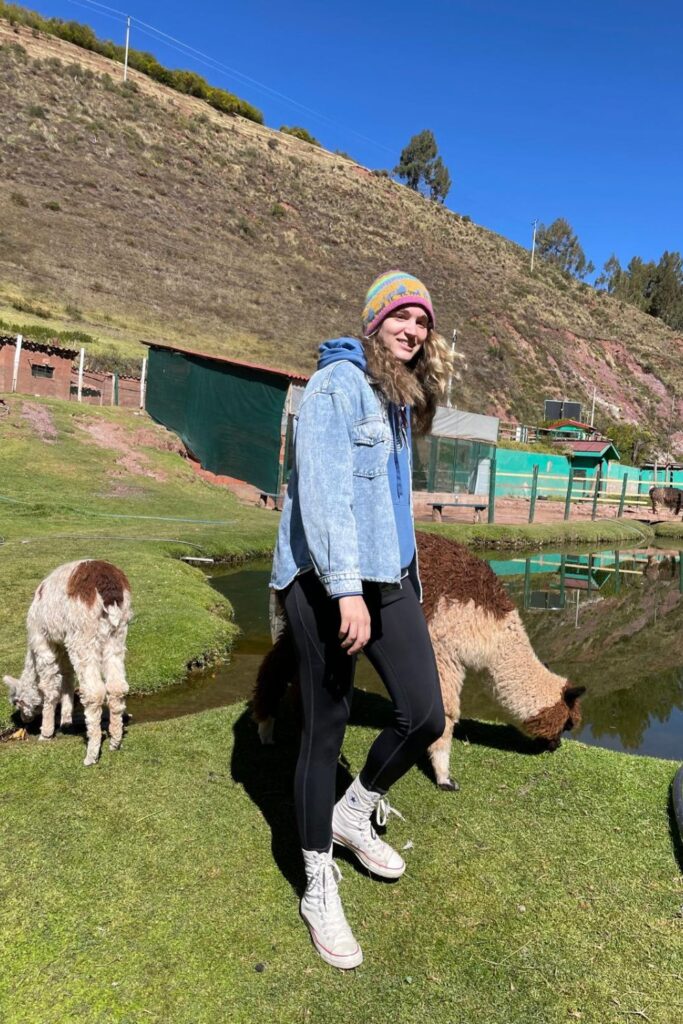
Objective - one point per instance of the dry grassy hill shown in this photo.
(135, 212)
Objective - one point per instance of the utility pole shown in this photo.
(450, 376)
(671, 422)
(125, 61)
(533, 243)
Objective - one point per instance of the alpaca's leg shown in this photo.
(93, 693)
(67, 710)
(440, 757)
(114, 672)
(49, 683)
(451, 674)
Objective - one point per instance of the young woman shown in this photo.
(346, 571)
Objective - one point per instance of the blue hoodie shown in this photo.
(398, 462)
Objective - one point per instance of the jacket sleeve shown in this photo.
(324, 464)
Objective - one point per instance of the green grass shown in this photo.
(536, 535)
(673, 530)
(152, 887)
(72, 499)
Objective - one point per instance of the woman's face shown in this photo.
(404, 332)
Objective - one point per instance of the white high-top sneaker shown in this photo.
(352, 828)
(322, 911)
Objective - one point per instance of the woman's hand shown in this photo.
(354, 628)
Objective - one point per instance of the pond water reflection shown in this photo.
(611, 620)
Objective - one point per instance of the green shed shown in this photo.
(232, 416)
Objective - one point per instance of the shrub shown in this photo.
(273, 144)
(299, 133)
(19, 199)
(277, 210)
(29, 307)
(73, 312)
(245, 228)
(37, 112)
(53, 205)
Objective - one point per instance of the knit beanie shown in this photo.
(389, 292)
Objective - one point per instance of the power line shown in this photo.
(217, 65)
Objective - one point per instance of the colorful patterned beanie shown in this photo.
(390, 291)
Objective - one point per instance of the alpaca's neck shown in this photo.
(522, 684)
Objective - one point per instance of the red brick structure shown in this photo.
(43, 369)
(98, 389)
(48, 370)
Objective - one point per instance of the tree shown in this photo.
(655, 288)
(439, 181)
(632, 441)
(667, 292)
(421, 168)
(558, 244)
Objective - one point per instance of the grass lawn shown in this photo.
(77, 481)
(161, 886)
(536, 535)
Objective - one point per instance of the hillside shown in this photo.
(135, 212)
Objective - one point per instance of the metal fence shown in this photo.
(602, 495)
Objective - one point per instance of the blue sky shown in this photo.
(540, 109)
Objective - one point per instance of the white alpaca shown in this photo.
(78, 620)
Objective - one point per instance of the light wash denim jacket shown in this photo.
(338, 516)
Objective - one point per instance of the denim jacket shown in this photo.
(338, 515)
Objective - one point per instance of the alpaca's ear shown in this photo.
(572, 694)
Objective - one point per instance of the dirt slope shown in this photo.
(142, 213)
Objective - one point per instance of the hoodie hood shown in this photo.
(341, 348)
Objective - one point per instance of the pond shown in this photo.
(610, 620)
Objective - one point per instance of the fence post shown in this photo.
(492, 491)
(568, 499)
(596, 492)
(143, 383)
(563, 571)
(534, 488)
(433, 457)
(590, 575)
(17, 358)
(527, 584)
(115, 396)
(623, 496)
(79, 392)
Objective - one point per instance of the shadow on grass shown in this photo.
(267, 772)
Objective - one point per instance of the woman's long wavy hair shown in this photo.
(421, 383)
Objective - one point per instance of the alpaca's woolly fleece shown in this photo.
(77, 622)
(473, 624)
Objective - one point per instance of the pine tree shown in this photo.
(558, 244)
(421, 168)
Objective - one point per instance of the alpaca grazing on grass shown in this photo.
(473, 624)
(77, 622)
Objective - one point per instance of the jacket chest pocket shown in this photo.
(370, 447)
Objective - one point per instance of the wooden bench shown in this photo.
(438, 507)
(275, 498)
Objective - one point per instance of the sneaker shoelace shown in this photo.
(384, 809)
(330, 875)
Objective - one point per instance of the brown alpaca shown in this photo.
(473, 624)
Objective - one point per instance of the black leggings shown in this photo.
(401, 651)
